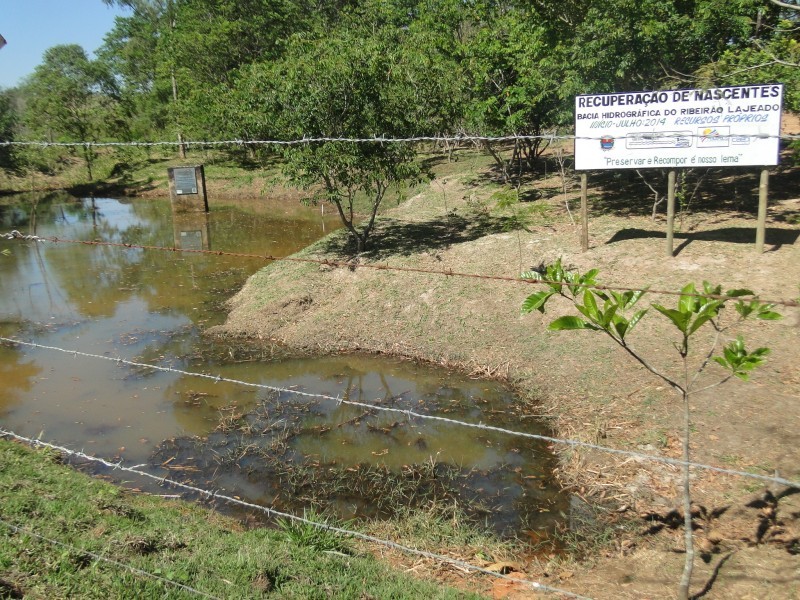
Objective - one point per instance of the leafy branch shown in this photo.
(616, 314)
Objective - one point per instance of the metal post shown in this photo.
(670, 212)
(584, 213)
(761, 227)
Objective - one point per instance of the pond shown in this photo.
(277, 448)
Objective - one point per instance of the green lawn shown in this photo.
(174, 540)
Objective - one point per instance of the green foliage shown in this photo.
(351, 86)
(70, 98)
(260, 69)
(560, 281)
(515, 76)
(738, 360)
(693, 311)
(175, 540)
(774, 58)
(606, 310)
(603, 311)
(8, 119)
(626, 45)
(133, 52)
(312, 536)
(759, 310)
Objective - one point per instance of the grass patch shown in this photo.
(174, 540)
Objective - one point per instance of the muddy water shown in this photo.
(150, 306)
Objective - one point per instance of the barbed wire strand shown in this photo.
(412, 414)
(216, 495)
(100, 557)
(377, 140)
(14, 234)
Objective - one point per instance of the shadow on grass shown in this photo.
(736, 235)
(720, 190)
(392, 237)
(107, 189)
(247, 158)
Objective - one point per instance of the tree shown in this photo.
(773, 55)
(70, 98)
(8, 119)
(615, 314)
(160, 14)
(131, 52)
(353, 85)
(517, 86)
(628, 45)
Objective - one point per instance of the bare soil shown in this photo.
(748, 534)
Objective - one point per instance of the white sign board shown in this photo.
(716, 127)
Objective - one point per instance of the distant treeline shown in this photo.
(244, 69)
(282, 69)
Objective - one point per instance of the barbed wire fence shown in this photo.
(216, 495)
(410, 414)
(351, 264)
(361, 140)
(273, 513)
(98, 557)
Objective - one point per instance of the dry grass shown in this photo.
(581, 383)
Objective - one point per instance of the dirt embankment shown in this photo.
(581, 382)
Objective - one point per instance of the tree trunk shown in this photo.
(87, 156)
(497, 159)
(688, 565)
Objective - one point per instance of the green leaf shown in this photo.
(769, 315)
(621, 326)
(533, 275)
(708, 311)
(738, 360)
(712, 290)
(739, 292)
(634, 297)
(588, 277)
(744, 309)
(722, 362)
(607, 317)
(590, 303)
(678, 318)
(698, 323)
(687, 301)
(586, 312)
(536, 301)
(568, 323)
(766, 313)
(637, 316)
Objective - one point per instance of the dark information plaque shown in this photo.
(185, 180)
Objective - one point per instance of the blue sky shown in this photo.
(32, 26)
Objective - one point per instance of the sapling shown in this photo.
(616, 314)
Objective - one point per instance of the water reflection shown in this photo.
(150, 306)
(126, 302)
(191, 230)
(18, 376)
